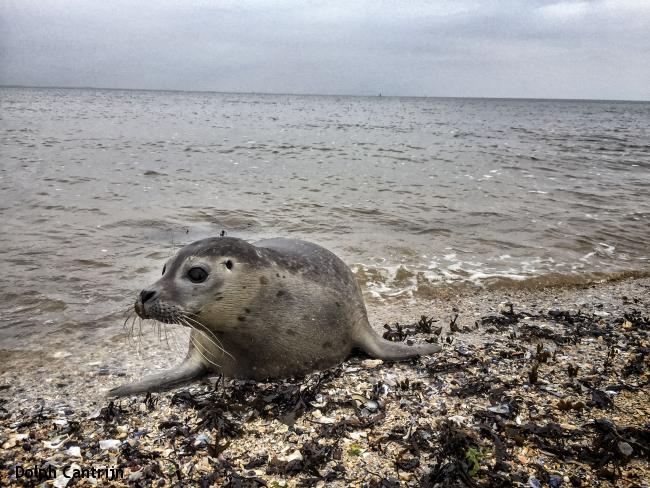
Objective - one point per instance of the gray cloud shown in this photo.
(509, 48)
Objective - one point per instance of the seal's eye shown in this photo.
(228, 264)
(164, 269)
(197, 275)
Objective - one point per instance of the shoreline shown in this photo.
(498, 417)
(422, 295)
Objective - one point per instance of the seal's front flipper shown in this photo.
(189, 370)
(380, 348)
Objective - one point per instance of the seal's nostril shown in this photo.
(146, 295)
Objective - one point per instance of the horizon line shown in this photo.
(379, 95)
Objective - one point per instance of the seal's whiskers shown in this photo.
(172, 340)
(200, 347)
(139, 337)
(130, 314)
(129, 325)
(166, 337)
(207, 333)
(211, 336)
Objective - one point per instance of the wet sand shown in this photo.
(551, 390)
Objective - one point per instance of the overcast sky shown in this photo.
(491, 48)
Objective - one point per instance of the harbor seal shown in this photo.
(272, 309)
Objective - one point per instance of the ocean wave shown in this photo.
(401, 282)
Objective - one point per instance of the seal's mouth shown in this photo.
(139, 309)
(159, 310)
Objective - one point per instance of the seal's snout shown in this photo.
(146, 295)
(151, 304)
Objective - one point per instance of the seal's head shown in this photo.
(206, 279)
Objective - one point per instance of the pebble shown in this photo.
(55, 443)
(74, 451)
(322, 419)
(294, 456)
(319, 401)
(61, 354)
(504, 308)
(371, 363)
(357, 435)
(122, 432)
(500, 409)
(625, 449)
(94, 415)
(371, 405)
(202, 440)
(326, 420)
(61, 481)
(109, 444)
(136, 475)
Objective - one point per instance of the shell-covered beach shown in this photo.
(533, 388)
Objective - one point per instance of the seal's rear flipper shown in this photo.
(189, 370)
(380, 348)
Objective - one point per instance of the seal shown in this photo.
(272, 309)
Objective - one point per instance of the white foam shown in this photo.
(477, 277)
(607, 248)
(383, 283)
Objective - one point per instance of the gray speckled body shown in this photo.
(272, 309)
